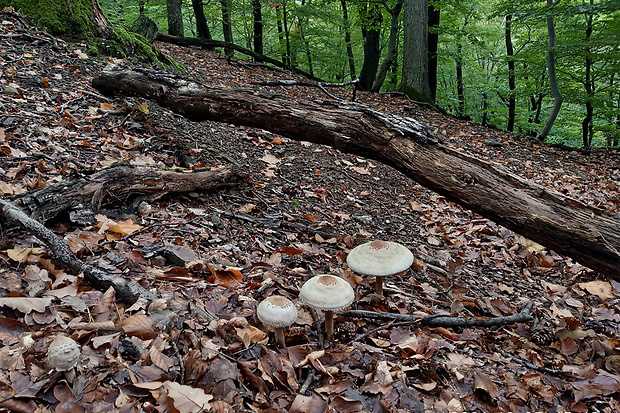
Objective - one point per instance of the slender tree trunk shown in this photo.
(258, 26)
(371, 19)
(347, 39)
(201, 21)
(587, 129)
(306, 46)
(392, 53)
(512, 82)
(287, 35)
(227, 26)
(175, 17)
(460, 89)
(485, 107)
(141, 6)
(433, 44)
(414, 82)
(281, 41)
(553, 82)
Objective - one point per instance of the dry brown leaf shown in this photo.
(139, 325)
(186, 399)
(26, 304)
(68, 402)
(250, 335)
(160, 360)
(21, 254)
(595, 387)
(601, 289)
(11, 359)
(484, 387)
(308, 404)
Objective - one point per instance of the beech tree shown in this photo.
(415, 79)
(175, 17)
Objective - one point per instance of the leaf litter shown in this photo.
(213, 256)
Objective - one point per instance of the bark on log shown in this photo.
(547, 217)
(119, 182)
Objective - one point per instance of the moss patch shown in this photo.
(65, 17)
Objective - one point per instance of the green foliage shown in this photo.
(317, 27)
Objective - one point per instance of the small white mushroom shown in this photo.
(328, 293)
(380, 258)
(277, 312)
(63, 353)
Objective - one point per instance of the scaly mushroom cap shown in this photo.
(63, 353)
(327, 293)
(277, 311)
(380, 258)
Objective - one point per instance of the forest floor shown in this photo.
(213, 256)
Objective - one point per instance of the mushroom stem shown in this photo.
(329, 325)
(379, 285)
(280, 336)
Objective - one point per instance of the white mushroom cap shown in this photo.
(63, 353)
(380, 258)
(327, 293)
(277, 311)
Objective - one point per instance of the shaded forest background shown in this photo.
(491, 58)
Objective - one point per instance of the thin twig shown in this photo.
(440, 320)
(540, 369)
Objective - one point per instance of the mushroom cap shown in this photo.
(380, 258)
(277, 311)
(327, 292)
(63, 353)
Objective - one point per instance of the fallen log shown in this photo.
(118, 183)
(558, 222)
(194, 41)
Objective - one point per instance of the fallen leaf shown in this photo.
(139, 325)
(186, 399)
(595, 387)
(601, 289)
(26, 305)
(308, 404)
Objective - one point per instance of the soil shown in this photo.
(213, 256)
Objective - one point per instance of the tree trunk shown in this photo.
(392, 53)
(371, 19)
(460, 89)
(347, 39)
(512, 82)
(258, 26)
(587, 126)
(227, 26)
(287, 35)
(415, 80)
(281, 40)
(434, 15)
(547, 217)
(201, 21)
(553, 82)
(175, 17)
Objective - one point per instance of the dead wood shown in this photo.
(194, 41)
(523, 316)
(126, 291)
(119, 183)
(547, 217)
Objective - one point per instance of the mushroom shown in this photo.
(380, 258)
(63, 355)
(327, 293)
(277, 312)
